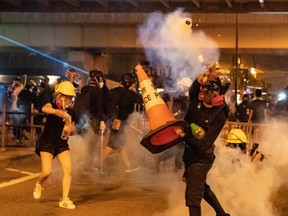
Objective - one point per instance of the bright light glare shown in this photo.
(281, 96)
(253, 71)
(52, 79)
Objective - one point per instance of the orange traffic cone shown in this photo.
(162, 134)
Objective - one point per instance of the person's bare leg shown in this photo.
(46, 164)
(64, 159)
(124, 156)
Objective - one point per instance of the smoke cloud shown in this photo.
(170, 42)
(244, 187)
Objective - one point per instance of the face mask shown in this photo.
(218, 100)
(64, 104)
(208, 97)
(60, 104)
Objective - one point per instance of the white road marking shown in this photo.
(18, 180)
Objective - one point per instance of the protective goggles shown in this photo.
(213, 86)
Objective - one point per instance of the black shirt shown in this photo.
(211, 120)
(258, 106)
(53, 127)
(121, 101)
(242, 112)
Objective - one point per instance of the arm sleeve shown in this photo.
(96, 104)
(210, 135)
(112, 103)
(194, 90)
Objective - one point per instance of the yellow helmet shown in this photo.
(236, 136)
(66, 88)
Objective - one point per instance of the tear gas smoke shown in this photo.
(169, 42)
(244, 187)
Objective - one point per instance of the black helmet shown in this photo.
(97, 74)
(44, 81)
(127, 80)
(30, 84)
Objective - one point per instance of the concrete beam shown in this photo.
(196, 2)
(133, 2)
(165, 3)
(17, 3)
(103, 3)
(75, 3)
(46, 3)
(228, 2)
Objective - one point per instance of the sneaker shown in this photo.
(68, 204)
(132, 169)
(37, 191)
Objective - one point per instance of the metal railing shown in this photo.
(5, 125)
(253, 131)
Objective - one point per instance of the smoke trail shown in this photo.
(169, 41)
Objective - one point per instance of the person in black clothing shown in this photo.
(89, 108)
(26, 98)
(75, 78)
(90, 103)
(242, 112)
(53, 143)
(207, 113)
(120, 104)
(258, 109)
(44, 97)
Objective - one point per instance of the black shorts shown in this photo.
(117, 138)
(55, 148)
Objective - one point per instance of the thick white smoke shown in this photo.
(169, 42)
(244, 187)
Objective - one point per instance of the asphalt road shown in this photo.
(116, 193)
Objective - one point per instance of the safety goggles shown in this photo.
(212, 86)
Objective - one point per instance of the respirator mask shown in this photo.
(207, 94)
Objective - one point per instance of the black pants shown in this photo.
(196, 189)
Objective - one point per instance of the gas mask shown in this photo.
(208, 95)
(64, 104)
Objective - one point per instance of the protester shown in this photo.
(75, 78)
(120, 104)
(207, 113)
(258, 109)
(17, 87)
(242, 112)
(44, 97)
(90, 113)
(53, 142)
(89, 104)
(26, 98)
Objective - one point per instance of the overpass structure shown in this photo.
(104, 34)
